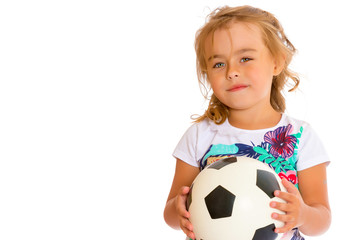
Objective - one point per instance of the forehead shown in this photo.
(234, 37)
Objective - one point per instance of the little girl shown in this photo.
(243, 54)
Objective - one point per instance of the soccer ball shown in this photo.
(230, 200)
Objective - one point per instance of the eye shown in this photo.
(245, 60)
(219, 65)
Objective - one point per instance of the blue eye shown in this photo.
(219, 65)
(245, 60)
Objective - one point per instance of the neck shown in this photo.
(252, 119)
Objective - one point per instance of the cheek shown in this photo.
(260, 77)
(215, 80)
(216, 87)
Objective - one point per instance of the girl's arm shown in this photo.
(175, 213)
(313, 188)
(310, 210)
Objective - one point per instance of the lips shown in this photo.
(237, 87)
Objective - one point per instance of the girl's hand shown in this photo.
(294, 207)
(183, 215)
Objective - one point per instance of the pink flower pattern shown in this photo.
(290, 176)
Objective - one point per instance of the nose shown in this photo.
(232, 76)
(232, 73)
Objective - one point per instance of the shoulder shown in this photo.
(191, 146)
(302, 130)
(195, 135)
(300, 126)
(206, 126)
(297, 124)
(310, 147)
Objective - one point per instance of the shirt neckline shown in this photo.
(226, 127)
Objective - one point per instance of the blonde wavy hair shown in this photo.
(275, 40)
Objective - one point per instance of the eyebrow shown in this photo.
(241, 51)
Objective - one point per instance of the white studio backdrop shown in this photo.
(94, 96)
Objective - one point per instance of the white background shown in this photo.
(94, 96)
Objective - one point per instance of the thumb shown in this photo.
(184, 190)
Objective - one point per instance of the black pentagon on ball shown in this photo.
(220, 203)
(223, 162)
(265, 233)
(267, 182)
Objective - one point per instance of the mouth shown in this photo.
(237, 88)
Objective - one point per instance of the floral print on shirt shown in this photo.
(279, 150)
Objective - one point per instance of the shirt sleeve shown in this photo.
(186, 148)
(311, 150)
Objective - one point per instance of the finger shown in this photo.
(186, 224)
(286, 218)
(289, 186)
(184, 213)
(188, 233)
(187, 228)
(285, 207)
(287, 227)
(191, 235)
(286, 196)
(184, 190)
(181, 202)
(181, 209)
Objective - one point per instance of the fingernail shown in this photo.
(277, 193)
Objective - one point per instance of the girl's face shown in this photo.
(240, 67)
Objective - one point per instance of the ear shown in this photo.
(279, 64)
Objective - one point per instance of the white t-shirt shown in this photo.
(289, 147)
